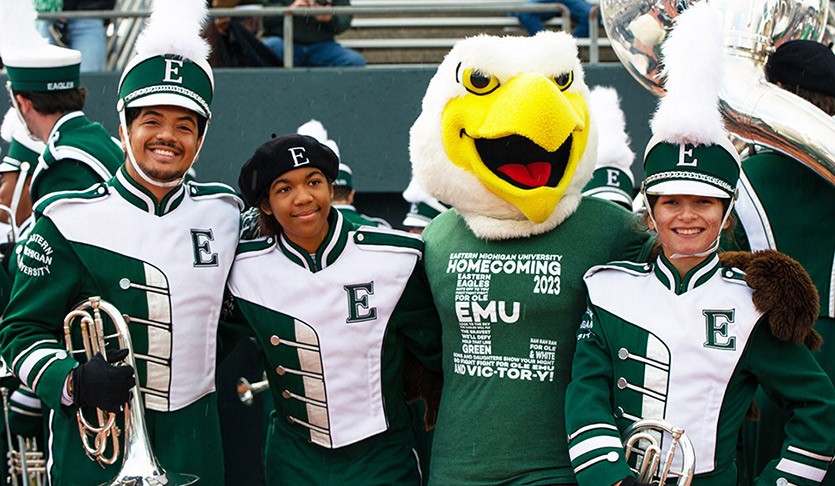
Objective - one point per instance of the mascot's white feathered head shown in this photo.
(505, 135)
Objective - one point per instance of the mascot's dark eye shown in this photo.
(564, 80)
(479, 83)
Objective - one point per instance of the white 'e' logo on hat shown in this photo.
(685, 157)
(172, 68)
(299, 156)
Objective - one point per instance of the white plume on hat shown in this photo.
(692, 55)
(315, 129)
(174, 27)
(415, 194)
(17, 25)
(613, 141)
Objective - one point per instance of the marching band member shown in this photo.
(45, 89)
(158, 249)
(681, 339)
(335, 308)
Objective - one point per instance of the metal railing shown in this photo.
(127, 20)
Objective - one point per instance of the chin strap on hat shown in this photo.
(713, 247)
(135, 165)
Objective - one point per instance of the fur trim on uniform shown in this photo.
(421, 383)
(783, 291)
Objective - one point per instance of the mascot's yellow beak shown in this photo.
(523, 139)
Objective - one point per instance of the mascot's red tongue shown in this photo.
(531, 175)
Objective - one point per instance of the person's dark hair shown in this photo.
(132, 113)
(341, 192)
(267, 224)
(52, 102)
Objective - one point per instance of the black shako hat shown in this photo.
(804, 63)
(282, 154)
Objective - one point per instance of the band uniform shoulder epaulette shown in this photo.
(384, 239)
(733, 274)
(47, 203)
(250, 248)
(632, 268)
(214, 190)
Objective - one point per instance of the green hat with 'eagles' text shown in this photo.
(345, 177)
(33, 64)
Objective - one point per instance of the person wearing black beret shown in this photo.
(774, 188)
(335, 308)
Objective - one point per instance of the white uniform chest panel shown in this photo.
(698, 373)
(351, 352)
(194, 288)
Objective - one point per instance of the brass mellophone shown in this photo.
(140, 466)
(649, 468)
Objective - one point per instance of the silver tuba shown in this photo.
(643, 438)
(139, 465)
(755, 110)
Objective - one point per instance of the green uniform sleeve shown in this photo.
(65, 175)
(45, 287)
(418, 320)
(594, 442)
(792, 379)
(232, 329)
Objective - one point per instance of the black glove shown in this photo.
(97, 383)
(631, 481)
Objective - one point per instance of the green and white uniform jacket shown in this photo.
(334, 327)
(79, 153)
(163, 265)
(689, 351)
(510, 311)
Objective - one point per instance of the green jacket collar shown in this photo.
(68, 121)
(698, 275)
(135, 194)
(327, 253)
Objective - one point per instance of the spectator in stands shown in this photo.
(85, 35)
(533, 22)
(234, 41)
(313, 35)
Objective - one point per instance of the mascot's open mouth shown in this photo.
(521, 162)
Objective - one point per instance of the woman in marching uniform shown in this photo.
(335, 309)
(681, 339)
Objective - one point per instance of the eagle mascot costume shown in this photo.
(507, 139)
